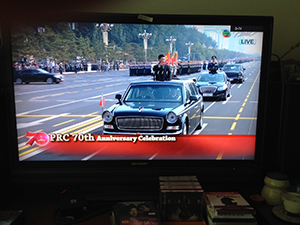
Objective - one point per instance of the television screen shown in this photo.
(78, 87)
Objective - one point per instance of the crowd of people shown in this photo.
(67, 67)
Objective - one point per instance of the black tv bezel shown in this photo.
(124, 171)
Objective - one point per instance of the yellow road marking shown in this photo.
(95, 115)
(24, 147)
(229, 118)
(57, 94)
(37, 98)
(88, 115)
(78, 131)
(219, 156)
(33, 132)
(82, 125)
(242, 108)
(29, 151)
(56, 125)
(233, 126)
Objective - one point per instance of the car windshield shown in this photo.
(42, 71)
(212, 78)
(155, 93)
(231, 68)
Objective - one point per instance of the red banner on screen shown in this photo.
(145, 147)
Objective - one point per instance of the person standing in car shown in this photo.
(213, 66)
(162, 72)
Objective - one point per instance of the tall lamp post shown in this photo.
(189, 46)
(105, 27)
(145, 37)
(171, 40)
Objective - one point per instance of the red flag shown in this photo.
(172, 58)
(102, 101)
(167, 58)
(175, 58)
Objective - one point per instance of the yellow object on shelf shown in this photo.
(291, 199)
(271, 192)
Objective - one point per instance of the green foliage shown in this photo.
(24, 43)
(63, 42)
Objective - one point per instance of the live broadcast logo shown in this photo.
(247, 41)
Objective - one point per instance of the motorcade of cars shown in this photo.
(36, 75)
(156, 108)
(214, 85)
(234, 72)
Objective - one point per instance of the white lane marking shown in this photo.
(225, 102)
(29, 155)
(90, 156)
(67, 103)
(38, 122)
(209, 106)
(70, 127)
(199, 131)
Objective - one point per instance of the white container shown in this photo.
(291, 199)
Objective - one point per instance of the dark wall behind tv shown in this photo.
(286, 13)
(290, 144)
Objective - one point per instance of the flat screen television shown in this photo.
(98, 56)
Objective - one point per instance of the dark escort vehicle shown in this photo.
(214, 84)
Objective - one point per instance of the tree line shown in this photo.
(71, 42)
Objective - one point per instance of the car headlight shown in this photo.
(171, 117)
(107, 116)
(222, 88)
(57, 76)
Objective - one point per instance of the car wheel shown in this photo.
(184, 129)
(200, 125)
(19, 81)
(225, 96)
(49, 81)
(229, 93)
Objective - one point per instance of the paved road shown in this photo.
(73, 106)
